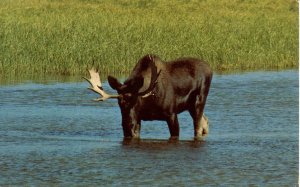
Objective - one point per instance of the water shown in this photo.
(54, 135)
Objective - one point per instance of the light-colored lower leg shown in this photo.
(203, 128)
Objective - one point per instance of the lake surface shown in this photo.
(52, 134)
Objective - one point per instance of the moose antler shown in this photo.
(153, 82)
(96, 85)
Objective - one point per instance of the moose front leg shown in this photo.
(173, 126)
(131, 123)
(132, 130)
(136, 129)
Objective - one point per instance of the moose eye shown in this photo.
(128, 95)
(126, 99)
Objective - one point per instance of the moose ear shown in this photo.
(114, 83)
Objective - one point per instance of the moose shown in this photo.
(158, 90)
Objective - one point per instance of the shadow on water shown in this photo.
(160, 144)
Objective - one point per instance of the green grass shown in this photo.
(67, 36)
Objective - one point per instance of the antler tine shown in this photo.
(96, 85)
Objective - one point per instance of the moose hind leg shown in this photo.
(200, 122)
(205, 125)
(173, 126)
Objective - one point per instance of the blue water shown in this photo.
(52, 134)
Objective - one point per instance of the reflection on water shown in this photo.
(53, 134)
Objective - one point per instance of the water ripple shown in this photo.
(54, 135)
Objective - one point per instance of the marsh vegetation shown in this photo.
(64, 37)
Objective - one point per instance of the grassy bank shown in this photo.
(66, 36)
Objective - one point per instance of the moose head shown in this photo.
(129, 95)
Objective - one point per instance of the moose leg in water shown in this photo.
(136, 124)
(173, 126)
(196, 111)
(205, 125)
(130, 123)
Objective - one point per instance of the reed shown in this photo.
(67, 36)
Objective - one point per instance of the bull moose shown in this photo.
(157, 90)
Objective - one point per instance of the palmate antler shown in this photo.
(153, 82)
(96, 85)
(151, 87)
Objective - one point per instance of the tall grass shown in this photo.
(67, 36)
